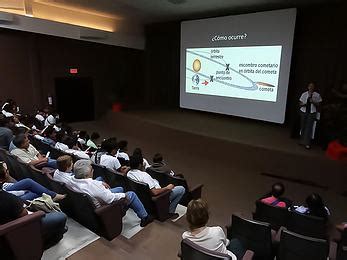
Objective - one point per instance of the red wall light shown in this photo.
(73, 71)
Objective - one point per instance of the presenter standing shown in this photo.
(309, 102)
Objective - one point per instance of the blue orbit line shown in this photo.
(253, 87)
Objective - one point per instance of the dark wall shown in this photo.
(320, 49)
(31, 62)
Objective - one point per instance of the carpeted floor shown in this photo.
(234, 173)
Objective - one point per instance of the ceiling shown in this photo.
(108, 14)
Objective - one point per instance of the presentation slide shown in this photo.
(241, 72)
(238, 65)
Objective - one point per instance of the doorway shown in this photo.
(75, 98)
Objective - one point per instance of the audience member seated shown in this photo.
(53, 224)
(50, 136)
(275, 198)
(160, 166)
(102, 150)
(82, 138)
(137, 173)
(109, 160)
(122, 150)
(82, 182)
(138, 152)
(314, 207)
(64, 172)
(211, 238)
(6, 134)
(92, 142)
(26, 189)
(51, 119)
(28, 153)
(69, 145)
(40, 116)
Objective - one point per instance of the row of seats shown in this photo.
(262, 243)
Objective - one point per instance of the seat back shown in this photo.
(307, 225)
(112, 178)
(143, 192)
(298, 247)
(192, 251)
(276, 216)
(253, 235)
(21, 239)
(40, 146)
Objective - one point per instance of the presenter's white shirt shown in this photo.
(211, 238)
(94, 189)
(143, 177)
(110, 162)
(316, 98)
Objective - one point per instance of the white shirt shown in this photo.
(50, 120)
(40, 117)
(94, 189)
(123, 155)
(144, 177)
(146, 164)
(65, 148)
(316, 98)
(7, 114)
(110, 162)
(211, 238)
(26, 155)
(63, 177)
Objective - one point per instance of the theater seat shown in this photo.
(165, 179)
(253, 235)
(157, 206)
(21, 239)
(276, 216)
(298, 247)
(192, 251)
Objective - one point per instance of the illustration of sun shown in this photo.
(196, 65)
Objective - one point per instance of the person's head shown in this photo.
(137, 152)
(50, 132)
(21, 141)
(6, 121)
(71, 142)
(110, 146)
(83, 169)
(65, 163)
(314, 202)
(82, 134)
(4, 173)
(197, 214)
(95, 136)
(157, 158)
(20, 130)
(135, 162)
(123, 145)
(277, 189)
(8, 108)
(311, 87)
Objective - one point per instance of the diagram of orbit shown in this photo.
(244, 82)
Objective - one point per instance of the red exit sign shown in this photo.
(73, 71)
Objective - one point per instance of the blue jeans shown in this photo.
(175, 196)
(133, 202)
(53, 228)
(34, 189)
(52, 163)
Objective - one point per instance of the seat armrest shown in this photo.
(20, 222)
(196, 191)
(248, 255)
(277, 237)
(110, 217)
(162, 204)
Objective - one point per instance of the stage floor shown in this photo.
(234, 129)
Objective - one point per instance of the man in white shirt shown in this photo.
(309, 101)
(109, 160)
(28, 153)
(136, 173)
(82, 182)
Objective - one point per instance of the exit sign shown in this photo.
(73, 71)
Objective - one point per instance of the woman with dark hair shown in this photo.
(314, 207)
(138, 153)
